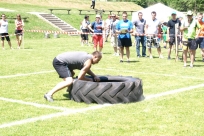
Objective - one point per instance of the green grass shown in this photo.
(178, 114)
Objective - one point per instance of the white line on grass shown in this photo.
(44, 117)
(149, 73)
(34, 104)
(28, 74)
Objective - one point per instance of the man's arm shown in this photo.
(85, 70)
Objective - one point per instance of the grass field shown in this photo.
(173, 104)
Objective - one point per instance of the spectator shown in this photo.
(19, 30)
(152, 31)
(82, 37)
(114, 37)
(124, 27)
(97, 28)
(164, 34)
(107, 27)
(85, 31)
(171, 34)
(93, 4)
(200, 39)
(189, 34)
(67, 62)
(139, 34)
(4, 31)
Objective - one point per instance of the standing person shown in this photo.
(171, 32)
(164, 32)
(19, 30)
(200, 39)
(107, 27)
(152, 31)
(93, 4)
(139, 35)
(67, 62)
(124, 27)
(97, 28)
(85, 31)
(189, 35)
(114, 36)
(4, 31)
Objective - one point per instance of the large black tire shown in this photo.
(111, 89)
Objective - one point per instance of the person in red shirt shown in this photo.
(19, 29)
(200, 39)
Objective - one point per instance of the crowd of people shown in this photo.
(19, 24)
(149, 33)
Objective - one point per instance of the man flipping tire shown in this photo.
(67, 62)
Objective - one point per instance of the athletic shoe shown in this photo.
(161, 57)
(191, 65)
(184, 65)
(121, 61)
(203, 59)
(138, 56)
(48, 98)
(128, 61)
(169, 57)
(151, 57)
(117, 54)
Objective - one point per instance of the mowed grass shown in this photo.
(178, 114)
(27, 74)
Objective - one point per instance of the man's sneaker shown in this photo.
(48, 98)
(191, 65)
(128, 61)
(117, 54)
(169, 57)
(138, 56)
(161, 57)
(203, 59)
(151, 57)
(121, 61)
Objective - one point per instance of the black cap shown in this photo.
(86, 16)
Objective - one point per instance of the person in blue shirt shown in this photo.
(124, 27)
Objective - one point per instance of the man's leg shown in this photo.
(65, 83)
(137, 40)
(192, 57)
(127, 53)
(143, 41)
(121, 53)
(2, 43)
(185, 57)
(100, 40)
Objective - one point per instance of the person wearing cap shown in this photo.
(97, 28)
(114, 36)
(124, 28)
(139, 34)
(171, 34)
(189, 28)
(152, 32)
(200, 39)
(85, 24)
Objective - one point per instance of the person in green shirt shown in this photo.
(190, 33)
(164, 31)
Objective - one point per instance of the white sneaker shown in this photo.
(161, 56)
(151, 57)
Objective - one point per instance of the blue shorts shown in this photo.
(200, 42)
(61, 68)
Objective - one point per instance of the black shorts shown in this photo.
(124, 42)
(172, 40)
(3, 35)
(84, 36)
(61, 68)
(191, 44)
(18, 32)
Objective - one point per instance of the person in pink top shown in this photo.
(19, 29)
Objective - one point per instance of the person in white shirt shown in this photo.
(152, 30)
(19, 30)
(85, 31)
(4, 31)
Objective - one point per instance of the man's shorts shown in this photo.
(200, 42)
(18, 32)
(124, 42)
(98, 39)
(191, 44)
(85, 34)
(61, 68)
(153, 41)
(114, 41)
(3, 35)
(172, 41)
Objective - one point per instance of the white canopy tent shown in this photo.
(163, 12)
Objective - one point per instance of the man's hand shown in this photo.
(96, 79)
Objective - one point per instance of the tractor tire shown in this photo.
(110, 89)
